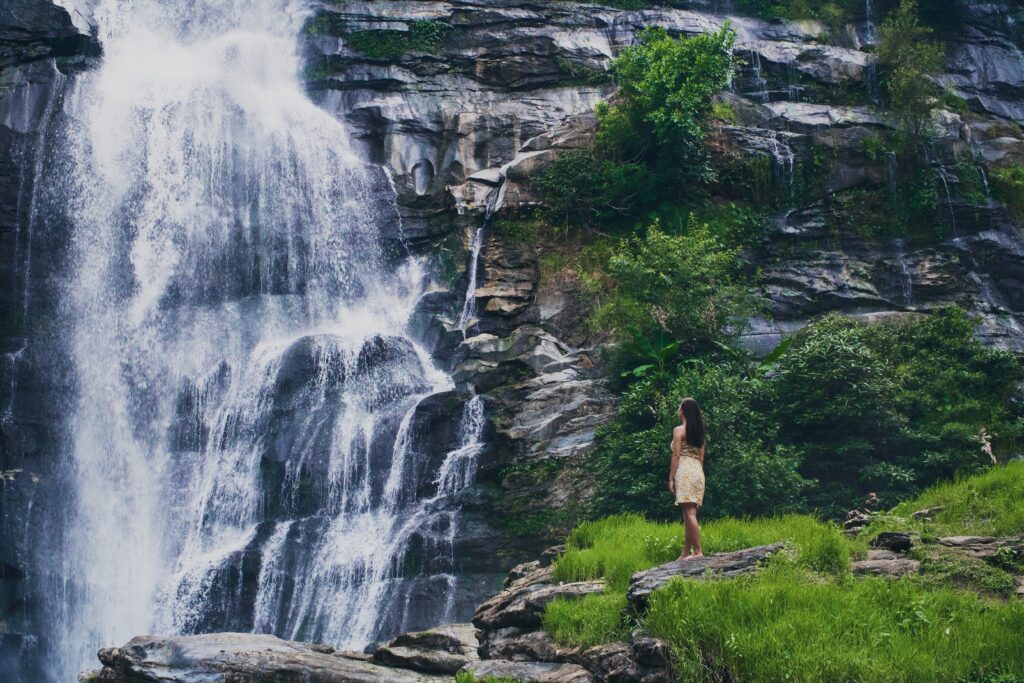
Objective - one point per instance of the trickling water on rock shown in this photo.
(246, 446)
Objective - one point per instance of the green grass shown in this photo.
(989, 504)
(469, 677)
(781, 626)
(804, 617)
(591, 620)
(617, 547)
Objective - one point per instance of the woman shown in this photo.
(686, 476)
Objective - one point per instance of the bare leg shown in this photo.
(686, 541)
(691, 546)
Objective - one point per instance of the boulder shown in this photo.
(985, 547)
(225, 657)
(928, 513)
(536, 646)
(888, 566)
(530, 672)
(523, 606)
(897, 541)
(444, 649)
(709, 567)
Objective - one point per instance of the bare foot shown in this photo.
(697, 555)
(684, 556)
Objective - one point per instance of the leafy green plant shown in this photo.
(389, 44)
(905, 48)
(1008, 186)
(686, 290)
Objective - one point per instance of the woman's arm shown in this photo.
(676, 443)
(702, 455)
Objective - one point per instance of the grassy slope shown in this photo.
(805, 618)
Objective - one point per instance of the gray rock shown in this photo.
(985, 547)
(890, 567)
(709, 567)
(444, 649)
(226, 657)
(928, 513)
(531, 646)
(522, 606)
(531, 672)
(897, 541)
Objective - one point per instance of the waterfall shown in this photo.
(246, 447)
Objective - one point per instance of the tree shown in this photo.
(661, 113)
(912, 58)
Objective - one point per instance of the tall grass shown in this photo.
(989, 504)
(782, 626)
(617, 547)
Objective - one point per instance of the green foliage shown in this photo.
(664, 103)
(832, 13)
(685, 290)
(580, 188)
(834, 399)
(593, 620)
(849, 409)
(389, 45)
(911, 58)
(887, 408)
(1008, 187)
(750, 471)
(782, 624)
(650, 139)
(470, 677)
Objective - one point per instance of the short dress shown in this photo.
(689, 476)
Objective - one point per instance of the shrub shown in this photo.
(664, 104)
(1008, 186)
(688, 289)
(911, 58)
(650, 142)
(389, 45)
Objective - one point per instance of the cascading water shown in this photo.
(245, 449)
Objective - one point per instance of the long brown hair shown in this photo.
(690, 410)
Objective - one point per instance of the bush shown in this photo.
(911, 58)
(687, 289)
(1008, 186)
(389, 45)
(650, 143)
(834, 400)
(664, 104)
(850, 409)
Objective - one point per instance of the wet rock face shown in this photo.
(984, 60)
(509, 71)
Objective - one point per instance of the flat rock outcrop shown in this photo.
(443, 649)
(229, 657)
(715, 566)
